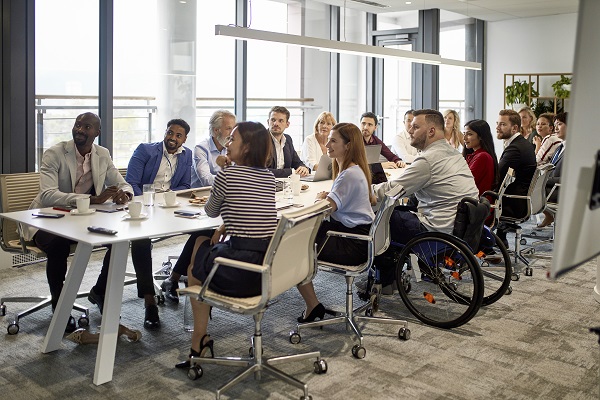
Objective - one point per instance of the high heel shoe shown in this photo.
(133, 335)
(317, 312)
(82, 336)
(193, 353)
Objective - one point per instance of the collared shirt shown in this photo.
(205, 166)
(402, 148)
(84, 181)
(279, 151)
(439, 178)
(168, 166)
(508, 141)
(559, 151)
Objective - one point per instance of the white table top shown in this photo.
(160, 222)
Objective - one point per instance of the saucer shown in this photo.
(76, 212)
(163, 205)
(128, 217)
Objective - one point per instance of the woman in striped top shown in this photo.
(350, 199)
(249, 219)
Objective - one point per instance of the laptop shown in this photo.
(323, 173)
(373, 152)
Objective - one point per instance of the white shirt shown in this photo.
(168, 166)
(508, 141)
(279, 151)
(402, 148)
(311, 151)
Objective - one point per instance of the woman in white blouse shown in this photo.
(314, 145)
(350, 199)
(547, 142)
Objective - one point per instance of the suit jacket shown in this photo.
(58, 175)
(555, 178)
(520, 156)
(145, 161)
(290, 160)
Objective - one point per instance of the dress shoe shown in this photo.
(318, 312)
(71, 325)
(204, 347)
(151, 321)
(97, 299)
(170, 289)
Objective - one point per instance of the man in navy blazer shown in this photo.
(166, 164)
(519, 155)
(284, 156)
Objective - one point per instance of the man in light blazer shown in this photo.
(71, 170)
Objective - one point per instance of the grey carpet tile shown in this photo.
(532, 344)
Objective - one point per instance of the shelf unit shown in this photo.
(542, 83)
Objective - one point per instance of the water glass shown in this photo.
(148, 194)
(188, 315)
(288, 195)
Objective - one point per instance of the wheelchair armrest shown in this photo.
(349, 235)
(491, 194)
(516, 196)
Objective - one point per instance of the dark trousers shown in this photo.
(185, 258)
(58, 248)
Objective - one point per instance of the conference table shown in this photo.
(158, 221)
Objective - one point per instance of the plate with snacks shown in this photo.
(304, 188)
(198, 201)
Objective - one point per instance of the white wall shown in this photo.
(525, 45)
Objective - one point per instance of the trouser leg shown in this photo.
(57, 250)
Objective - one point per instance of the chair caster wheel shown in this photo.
(2, 310)
(523, 241)
(515, 277)
(251, 351)
(369, 312)
(83, 321)
(508, 290)
(404, 333)
(528, 271)
(358, 351)
(295, 337)
(13, 328)
(160, 299)
(306, 398)
(194, 372)
(320, 367)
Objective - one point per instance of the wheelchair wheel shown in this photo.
(496, 269)
(445, 281)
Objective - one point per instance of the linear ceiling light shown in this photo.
(335, 46)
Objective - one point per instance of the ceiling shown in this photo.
(487, 10)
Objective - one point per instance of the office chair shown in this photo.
(540, 239)
(536, 203)
(378, 241)
(289, 261)
(17, 191)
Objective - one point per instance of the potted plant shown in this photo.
(520, 92)
(562, 87)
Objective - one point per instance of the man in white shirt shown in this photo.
(205, 167)
(401, 142)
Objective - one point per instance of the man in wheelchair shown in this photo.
(435, 182)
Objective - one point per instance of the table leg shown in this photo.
(67, 298)
(105, 359)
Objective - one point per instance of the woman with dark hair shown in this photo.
(480, 155)
(249, 219)
(350, 199)
(547, 143)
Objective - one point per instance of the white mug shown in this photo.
(135, 209)
(83, 205)
(170, 198)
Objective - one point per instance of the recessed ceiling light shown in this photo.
(408, 2)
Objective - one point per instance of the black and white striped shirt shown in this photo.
(245, 199)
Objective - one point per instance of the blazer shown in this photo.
(145, 161)
(58, 175)
(555, 178)
(520, 156)
(290, 160)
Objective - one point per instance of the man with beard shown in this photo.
(205, 166)
(436, 181)
(72, 170)
(167, 166)
(368, 126)
(284, 156)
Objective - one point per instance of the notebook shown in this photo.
(323, 173)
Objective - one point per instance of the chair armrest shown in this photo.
(349, 235)
(490, 193)
(516, 196)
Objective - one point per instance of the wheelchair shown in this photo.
(441, 280)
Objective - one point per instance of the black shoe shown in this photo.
(318, 312)
(170, 289)
(97, 299)
(71, 325)
(151, 321)
(204, 347)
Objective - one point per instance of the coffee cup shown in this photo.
(135, 209)
(83, 205)
(170, 198)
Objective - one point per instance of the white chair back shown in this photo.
(537, 189)
(292, 245)
(380, 229)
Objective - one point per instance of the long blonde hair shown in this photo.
(455, 135)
